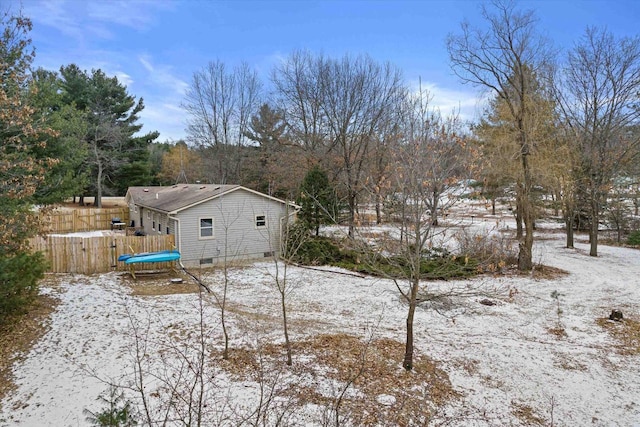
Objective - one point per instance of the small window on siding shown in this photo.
(206, 261)
(153, 224)
(148, 215)
(206, 228)
(167, 230)
(261, 221)
(159, 228)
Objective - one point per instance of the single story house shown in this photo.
(211, 222)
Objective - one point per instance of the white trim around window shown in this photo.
(205, 228)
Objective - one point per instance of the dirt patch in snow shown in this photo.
(547, 273)
(163, 286)
(626, 334)
(17, 338)
(362, 374)
(527, 414)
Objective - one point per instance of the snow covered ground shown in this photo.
(504, 360)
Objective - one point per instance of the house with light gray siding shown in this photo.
(211, 222)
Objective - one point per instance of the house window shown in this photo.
(261, 221)
(153, 224)
(206, 228)
(148, 215)
(159, 228)
(167, 230)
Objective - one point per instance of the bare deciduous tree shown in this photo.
(599, 89)
(220, 103)
(424, 162)
(292, 237)
(356, 94)
(335, 109)
(501, 59)
(380, 163)
(297, 94)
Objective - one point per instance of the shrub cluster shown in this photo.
(634, 238)
(436, 263)
(19, 276)
(317, 251)
(490, 251)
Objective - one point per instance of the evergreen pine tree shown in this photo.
(317, 200)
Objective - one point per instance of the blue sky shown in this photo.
(155, 46)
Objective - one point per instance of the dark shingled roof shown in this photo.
(176, 197)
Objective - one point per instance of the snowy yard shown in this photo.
(507, 363)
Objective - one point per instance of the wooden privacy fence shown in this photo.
(90, 255)
(74, 220)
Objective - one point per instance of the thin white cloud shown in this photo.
(124, 78)
(146, 63)
(132, 14)
(168, 119)
(56, 14)
(78, 19)
(165, 91)
(163, 77)
(269, 62)
(467, 104)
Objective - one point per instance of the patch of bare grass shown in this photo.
(159, 284)
(626, 334)
(157, 289)
(545, 272)
(19, 335)
(527, 414)
(569, 363)
(470, 366)
(381, 392)
(558, 331)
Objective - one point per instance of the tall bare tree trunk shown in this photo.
(519, 229)
(435, 198)
(568, 220)
(525, 261)
(407, 362)
(352, 213)
(223, 305)
(593, 229)
(378, 207)
(98, 201)
(285, 327)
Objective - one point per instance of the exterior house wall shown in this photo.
(148, 219)
(234, 228)
(154, 222)
(134, 211)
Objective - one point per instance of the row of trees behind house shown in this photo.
(568, 127)
(62, 134)
(346, 137)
